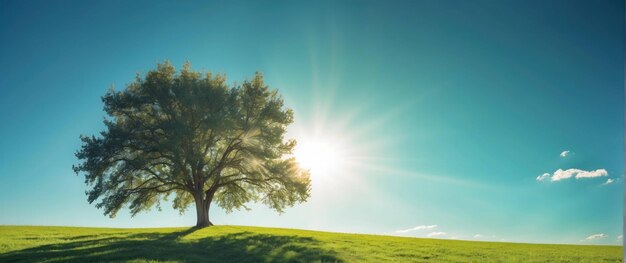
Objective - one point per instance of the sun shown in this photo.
(322, 157)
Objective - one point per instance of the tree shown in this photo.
(192, 136)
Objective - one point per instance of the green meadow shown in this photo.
(257, 244)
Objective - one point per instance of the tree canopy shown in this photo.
(191, 136)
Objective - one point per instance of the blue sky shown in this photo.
(447, 111)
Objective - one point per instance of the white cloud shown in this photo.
(608, 181)
(478, 236)
(590, 174)
(564, 153)
(434, 234)
(620, 238)
(561, 174)
(543, 177)
(596, 236)
(577, 173)
(417, 228)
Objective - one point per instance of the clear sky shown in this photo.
(445, 113)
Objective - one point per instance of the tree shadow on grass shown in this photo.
(235, 247)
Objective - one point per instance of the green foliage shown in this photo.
(256, 244)
(190, 135)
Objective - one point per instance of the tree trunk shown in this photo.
(202, 211)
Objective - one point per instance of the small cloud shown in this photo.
(608, 181)
(596, 237)
(561, 174)
(478, 236)
(417, 228)
(434, 234)
(543, 177)
(589, 174)
(620, 238)
(564, 153)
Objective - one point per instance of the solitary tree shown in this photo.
(191, 136)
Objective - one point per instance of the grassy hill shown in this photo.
(256, 244)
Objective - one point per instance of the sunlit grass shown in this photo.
(256, 244)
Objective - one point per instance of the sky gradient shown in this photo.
(449, 110)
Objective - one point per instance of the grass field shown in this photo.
(256, 244)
